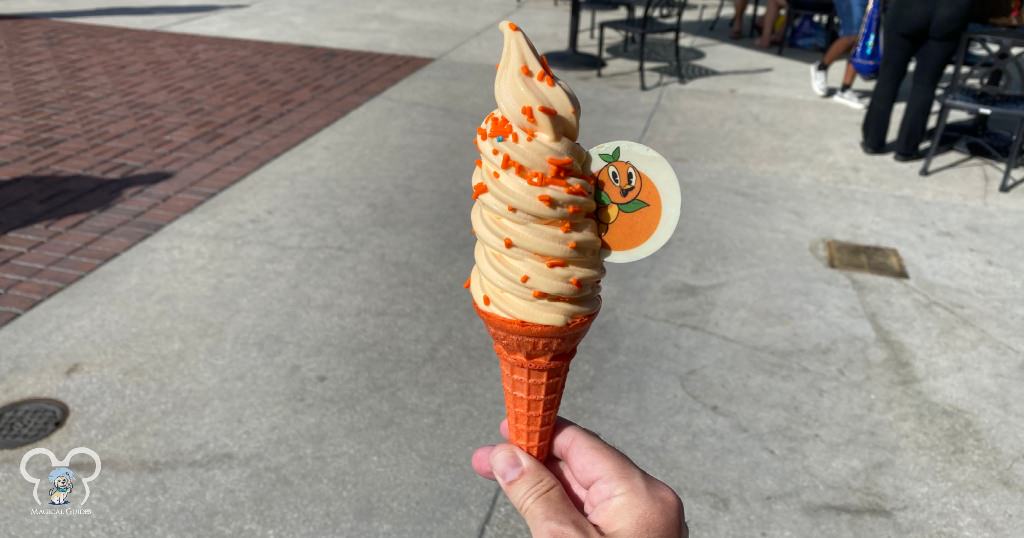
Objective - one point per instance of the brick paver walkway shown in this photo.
(107, 134)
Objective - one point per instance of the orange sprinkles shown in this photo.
(561, 162)
(524, 278)
(479, 163)
(539, 294)
(548, 110)
(572, 245)
(505, 161)
(575, 282)
(515, 137)
(545, 199)
(527, 111)
(511, 209)
(566, 227)
(500, 127)
(478, 189)
(497, 175)
(483, 134)
(494, 151)
(487, 300)
(512, 26)
(468, 279)
(526, 70)
(573, 209)
(508, 242)
(576, 190)
(555, 263)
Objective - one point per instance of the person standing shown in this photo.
(851, 14)
(927, 31)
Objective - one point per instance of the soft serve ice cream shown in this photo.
(538, 249)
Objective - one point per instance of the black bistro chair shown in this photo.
(660, 16)
(808, 7)
(606, 5)
(983, 85)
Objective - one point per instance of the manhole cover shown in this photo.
(867, 259)
(25, 422)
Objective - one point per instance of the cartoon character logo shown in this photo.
(63, 480)
(620, 184)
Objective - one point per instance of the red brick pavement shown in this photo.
(107, 134)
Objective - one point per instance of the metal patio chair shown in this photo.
(660, 16)
(983, 86)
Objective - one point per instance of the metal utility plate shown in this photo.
(26, 422)
(881, 261)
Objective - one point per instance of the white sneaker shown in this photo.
(849, 98)
(819, 80)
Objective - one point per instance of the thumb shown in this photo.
(537, 494)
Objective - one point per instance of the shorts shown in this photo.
(851, 13)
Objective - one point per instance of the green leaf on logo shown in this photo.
(609, 158)
(632, 206)
(603, 199)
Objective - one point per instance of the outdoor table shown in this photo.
(572, 58)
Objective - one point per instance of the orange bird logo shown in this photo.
(619, 186)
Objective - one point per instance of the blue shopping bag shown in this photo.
(867, 54)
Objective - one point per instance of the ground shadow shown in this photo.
(701, 27)
(660, 51)
(28, 200)
(127, 11)
(972, 140)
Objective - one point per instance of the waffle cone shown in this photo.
(534, 362)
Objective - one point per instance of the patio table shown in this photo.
(572, 58)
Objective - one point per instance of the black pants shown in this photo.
(928, 31)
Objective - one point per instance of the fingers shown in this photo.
(573, 489)
(481, 462)
(588, 457)
(537, 494)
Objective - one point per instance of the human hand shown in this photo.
(587, 488)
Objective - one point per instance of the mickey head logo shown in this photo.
(54, 462)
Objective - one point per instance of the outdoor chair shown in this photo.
(986, 84)
(807, 7)
(606, 5)
(660, 16)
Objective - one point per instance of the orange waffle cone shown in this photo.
(534, 364)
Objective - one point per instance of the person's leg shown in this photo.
(849, 76)
(739, 8)
(850, 14)
(899, 49)
(839, 48)
(932, 59)
(771, 13)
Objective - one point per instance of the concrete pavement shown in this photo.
(297, 356)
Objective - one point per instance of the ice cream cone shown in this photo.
(534, 362)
